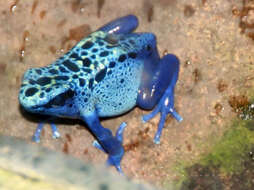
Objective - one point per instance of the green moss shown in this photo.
(228, 157)
(229, 153)
(180, 169)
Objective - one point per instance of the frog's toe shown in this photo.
(119, 132)
(119, 137)
(97, 145)
(151, 115)
(165, 107)
(36, 139)
(37, 133)
(114, 159)
(175, 114)
(157, 136)
(55, 133)
(116, 162)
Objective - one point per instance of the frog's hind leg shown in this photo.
(162, 89)
(112, 145)
(37, 133)
(123, 25)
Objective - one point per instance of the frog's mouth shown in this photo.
(57, 101)
(41, 100)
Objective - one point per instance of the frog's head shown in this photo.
(41, 92)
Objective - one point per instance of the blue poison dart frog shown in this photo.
(105, 74)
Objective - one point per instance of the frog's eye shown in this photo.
(111, 39)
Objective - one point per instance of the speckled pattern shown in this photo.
(101, 69)
(216, 63)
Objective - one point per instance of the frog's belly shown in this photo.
(116, 96)
(116, 102)
(118, 92)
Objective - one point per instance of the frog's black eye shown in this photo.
(148, 48)
(111, 39)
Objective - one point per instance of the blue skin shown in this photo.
(105, 74)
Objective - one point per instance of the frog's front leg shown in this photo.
(122, 25)
(37, 133)
(112, 145)
(159, 90)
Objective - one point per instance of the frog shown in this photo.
(106, 74)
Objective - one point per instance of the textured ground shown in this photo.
(24, 167)
(213, 40)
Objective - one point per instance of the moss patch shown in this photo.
(229, 153)
(231, 158)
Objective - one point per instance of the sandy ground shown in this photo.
(217, 62)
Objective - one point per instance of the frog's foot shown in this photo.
(165, 107)
(37, 134)
(114, 159)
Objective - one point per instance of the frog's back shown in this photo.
(114, 82)
(102, 69)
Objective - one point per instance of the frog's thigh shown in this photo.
(165, 76)
(122, 25)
